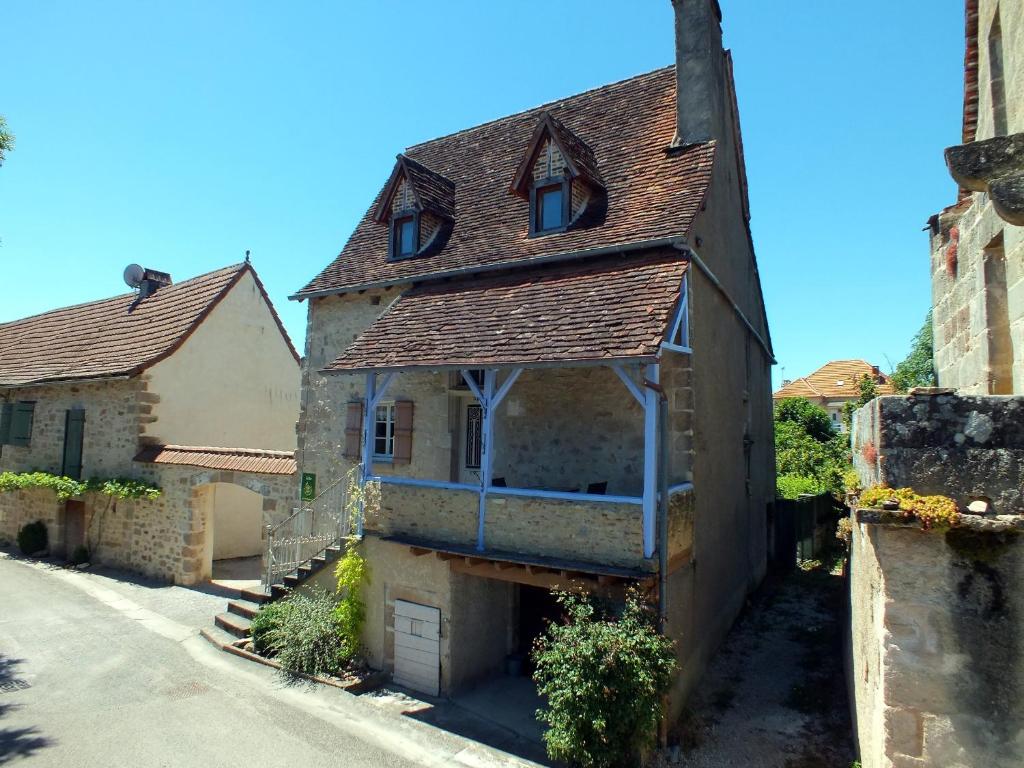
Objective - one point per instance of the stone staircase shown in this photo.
(233, 625)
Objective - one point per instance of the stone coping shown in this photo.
(978, 523)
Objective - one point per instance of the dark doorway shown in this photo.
(74, 526)
(537, 607)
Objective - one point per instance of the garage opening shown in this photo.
(537, 607)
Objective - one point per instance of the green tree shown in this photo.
(809, 456)
(868, 392)
(811, 418)
(918, 368)
(6, 139)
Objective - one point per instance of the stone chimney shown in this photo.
(700, 71)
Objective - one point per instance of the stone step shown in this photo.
(233, 623)
(218, 636)
(245, 608)
(256, 595)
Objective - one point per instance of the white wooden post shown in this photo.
(650, 502)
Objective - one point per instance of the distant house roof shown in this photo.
(121, 336)
(232, 459)
(608, 310)
(618, 134)
(839, 379)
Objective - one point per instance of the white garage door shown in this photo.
(418, 647)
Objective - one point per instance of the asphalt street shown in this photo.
(95, 673)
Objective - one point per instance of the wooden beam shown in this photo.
(447, 556)
(420, 551)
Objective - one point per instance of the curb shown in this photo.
(353, 686)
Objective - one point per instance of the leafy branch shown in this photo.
(67, 488)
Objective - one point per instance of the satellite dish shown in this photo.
(134, 275)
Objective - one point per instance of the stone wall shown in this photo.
(937, 649)
(977, 259)
(114, 411)
(966, 447)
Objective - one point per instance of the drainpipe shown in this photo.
(662, 510)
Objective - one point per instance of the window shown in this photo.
(549, 206)
(384, 431)
(474, 435)
(997, 86)
(16, 423)
(405, 236)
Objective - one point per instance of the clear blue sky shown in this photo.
(178, 135)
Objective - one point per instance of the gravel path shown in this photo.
(775, 697)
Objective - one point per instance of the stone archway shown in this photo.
(261, 499)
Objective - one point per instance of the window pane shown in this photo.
(384, 431)
(550, 208)
(406, 237)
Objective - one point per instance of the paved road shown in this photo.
(96, 673)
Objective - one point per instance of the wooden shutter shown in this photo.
(74, 432)
(21, 424)
(403, 432)
(6, 416)
(354, 431)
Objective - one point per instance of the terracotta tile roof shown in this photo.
(234, 459)
(611, 309)
(651, 194)
(113, 337)
(839, 379)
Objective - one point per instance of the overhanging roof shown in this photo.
(613, 310)
(233, 459)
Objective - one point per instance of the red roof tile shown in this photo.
(609, 310)
(627, 126)
(839, 379)
(233, 459)
(113, 337)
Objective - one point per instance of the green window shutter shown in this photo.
(6, 416)
(74, 432)
(21, 424)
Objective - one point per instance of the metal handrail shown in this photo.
(308, 532)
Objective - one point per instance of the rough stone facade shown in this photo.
(977, 258)
(965, 447)
(937, 656)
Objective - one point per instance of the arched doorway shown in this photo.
(232, 518)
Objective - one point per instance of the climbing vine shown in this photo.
(66, 488)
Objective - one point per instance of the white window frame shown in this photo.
(388, 410)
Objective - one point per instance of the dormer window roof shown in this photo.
(418, 206)
(558, 175)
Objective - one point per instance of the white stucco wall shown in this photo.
(234, 383)
(237, 521)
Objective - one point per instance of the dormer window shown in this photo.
(405, 236)
(558, 175)
(550, 207)
(418, 208)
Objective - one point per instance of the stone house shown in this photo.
(937, 616)
(546, 341)
(977, 244)
(161, 385)
(834, 385)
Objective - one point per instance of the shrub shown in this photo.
(307, 639)
(603, 676)
(939, 512)
(268, 619)
(33, 538)
(792, 486)
(79, 555)
(350, 612)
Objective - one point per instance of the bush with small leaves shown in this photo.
(603, 674)
(269, 618)
(33, 538)
(308, 638)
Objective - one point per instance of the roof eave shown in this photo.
(604, 250)
(445, 366)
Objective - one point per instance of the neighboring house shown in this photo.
(977, 244)
(527, 311)
(937, 616)
(834, 385)
(190, 386)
